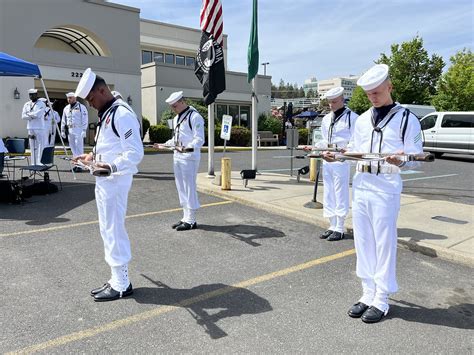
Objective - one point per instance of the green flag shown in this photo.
(252, 56)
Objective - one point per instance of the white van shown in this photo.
(448, 132)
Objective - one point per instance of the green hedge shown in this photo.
(269, 123)
(303, 136)
(160, 133)
(145, 125)
(239, 136)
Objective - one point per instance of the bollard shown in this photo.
(225, 173)
(312, 169)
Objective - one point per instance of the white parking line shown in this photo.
(430, 177)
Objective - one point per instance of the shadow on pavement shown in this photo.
(455, 316)
(244, 232)
(228, 301)
(153, 176)
(46, 209)
(417, 235)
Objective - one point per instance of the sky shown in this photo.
(326, 38)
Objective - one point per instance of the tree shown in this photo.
(456, 86)
(323, 105)
(359, 102)
(413, 73)
(310, 93)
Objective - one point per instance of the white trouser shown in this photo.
(76, 142)
(111, 197)
(336, 189)
(52, 136)
(374, 218)
(185, 174)
(37, 144)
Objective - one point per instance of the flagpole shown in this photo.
(254, 123)
(210, 140)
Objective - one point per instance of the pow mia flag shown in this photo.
(209, 67)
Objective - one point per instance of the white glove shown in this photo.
(83, 134)
(63, 134)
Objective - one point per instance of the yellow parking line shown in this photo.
(88, 333)
(74, 225)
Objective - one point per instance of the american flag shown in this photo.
(211, 19)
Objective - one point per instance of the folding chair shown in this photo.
(15, 146)
(47, 158)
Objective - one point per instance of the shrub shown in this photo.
(160, 133)
(303, 136)
(145, 125)
(269, 123)
(165, 116)
(240, 136)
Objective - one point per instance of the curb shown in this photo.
(419, 247)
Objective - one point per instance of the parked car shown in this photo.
(448, 132)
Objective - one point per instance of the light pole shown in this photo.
(265, 68)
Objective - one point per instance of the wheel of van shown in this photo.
(438, 155)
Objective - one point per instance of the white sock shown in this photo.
(185, 214)
(368, 289)
(332, 220)
(340, 224)
(119, 280)
(381, 301)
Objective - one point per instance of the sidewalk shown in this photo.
(436, 228)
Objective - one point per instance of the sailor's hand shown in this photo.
(307, 148)
(158, 146)
(83, 157)
(63, 134)
(394, 160)
(328, 156)
(102, 165)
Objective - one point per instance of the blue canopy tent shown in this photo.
(13, 66)
(307, 115)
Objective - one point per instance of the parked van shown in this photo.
(448, 132)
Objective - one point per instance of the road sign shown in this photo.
(226, 127)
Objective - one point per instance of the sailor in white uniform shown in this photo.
(118, 149)
(386, 127)
(188, 128)
(51, 118)
(76, 118)
(336, 128)
(33, 113)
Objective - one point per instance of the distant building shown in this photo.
(311, 84)
(298, 103)
(349, 83)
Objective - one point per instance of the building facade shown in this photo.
(64, 37)
(144, 60)
(348, 83)
(311, 84)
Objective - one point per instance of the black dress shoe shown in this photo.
(174, 225)
(357, 310)
(186, 226)
(109, 294)
(326, 234)
(372, 315)
(335, 236)
(97, 290)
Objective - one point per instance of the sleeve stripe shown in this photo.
(128, 134)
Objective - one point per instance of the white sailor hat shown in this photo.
(70, 94)
(85, 84)
(116, 94)
(174, 97)
(42, 99)
(334, 93)
(32, 91)
(373, 77)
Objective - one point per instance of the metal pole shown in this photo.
(254, 123)
(210, 140)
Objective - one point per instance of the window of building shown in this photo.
(146, 57)
(190, 62)
(245, 116)
(158, 57)
(234, 112)
(180, 60)
(169, 58)
(220, 111)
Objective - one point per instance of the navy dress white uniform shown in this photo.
(33, 113)
(188, 128)
(376, 193)
(118, 144)
(76, 118)
(337, 128)
(51, 118)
